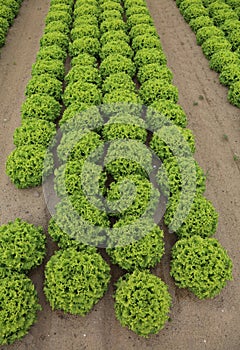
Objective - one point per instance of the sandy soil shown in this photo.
(210, 324)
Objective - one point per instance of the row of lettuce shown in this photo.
(8, 11)
(107, 55)
(217, 25)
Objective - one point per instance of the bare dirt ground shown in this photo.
(210, 324)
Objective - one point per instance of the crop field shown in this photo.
(120, 174)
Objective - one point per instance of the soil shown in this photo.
(210, 324)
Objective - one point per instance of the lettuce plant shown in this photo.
(57, 26)
(148, 56)
(223, 58)
(86, 44)
(113, 35)
(75, 281)
(201, 265)
(142, 29)
(40, 107)
(133, 10)
(53, 67)
(234, 38)
(118, 81)
(116, 47)
(53, 52)
(12, 4)
(230, 25)
(155, 89)
(84, 74)
(112, 24)
(18, 307)
(230, 74)
(116, 64)
(7, 13)
(121, 100)
(205, 33)
(59, 16)
(216, 6)
(131, 3)
(220, 16)
(186, 3)
(61, 7)
(111, 5)
(84, 59)
(55, 38)
(142, 302)
(22, 246)
(44, 84)
(194, 11)
(81, 92)
(85, 30)
(138, 19)
(215, 44)
(234, 94)
(154, 71)
(145, 41)
(86, 19)
(199, 22)
(110, 14)
(86, 9)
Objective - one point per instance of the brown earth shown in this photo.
(210, 324)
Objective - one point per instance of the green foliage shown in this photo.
(194, 11)
(83, 45)
(155, 89)
(234, 38)
(44, 84)
(67, 2)
(4, 25)
(75, 281)
(214, 7)
(230, 25)
(53, 52)
(234, 94)
(81, 92)
(199, 22)
(148, 56)
(223, 58)
(86, 19)
(125, 127)
(142, 29)
(205, 33)
(116, 47)
(145, 41)
(160, 112)
(201, 220)
(7, 13)
(2, 37)
(12, 4)
(61, 7)
(64, 240)
(172, 140)
(111, 5)
(59, 16)
(176, 174)
(26, 165)
(132, 3)
(230, 74)
(221, 16)
(110, 14)
(40, 107)
(142, 254)
(215, 44)
(53, 67)
(55, 38)
(138, 19)
(121, 100)
(186, 3)
(18, 307)
(85, 2)
(86, 9)
(128, 158)
(57, 26)
(201, 265)
(116, 64)
(133, 10)
(79, 145)
(112, 24)
(142, 302)
(34, 131)
(85, 74)
(84, 59)
(118, 81)
(154, 71)
(22, 246)
(85, 30)
(114, 35)
(233, 3)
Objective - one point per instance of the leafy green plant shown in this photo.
(111, 5)
(112, 24)
(173, 140)
(53, 52)
(7, 13)
(199, 22)
(154, 71)
(89, 30)
(116, 64)
(220, 16)
(234, 38)
(86, 19)
(59, 16)
(214, 7)
(110, 14)
(139, 19)
(18, 307)
(173, 176)
(2, 37)
(86, 9)
(12, 4)
(53, 67)
(201, 265)
(230, 74)
(128, 158)
(116, 47)
(22, 246)
(142, 302)
(61, 7)
(223, 58)
(131, 3)
(125, 127)
(55, 38)
(84, 2)
(113, 35)
(148, 56)
(27, 165)
(85, 74)
(44, 84)
(57, 26)
(55, 2)
(145, 41)
(155, 89)
(194, 11)
(201, 220)
(118, 81)
(81, 92)
(86, 44)
(230, 25)
(215, 44)
(4, 25)
(40, 107)
(120, 101)
(205, 33)
(186, 3)
(163, 112)
(75, 281)
(133, 10)
(142, 29)
(34, 131)
(234, 94)
(84, 59)
(142, 254)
